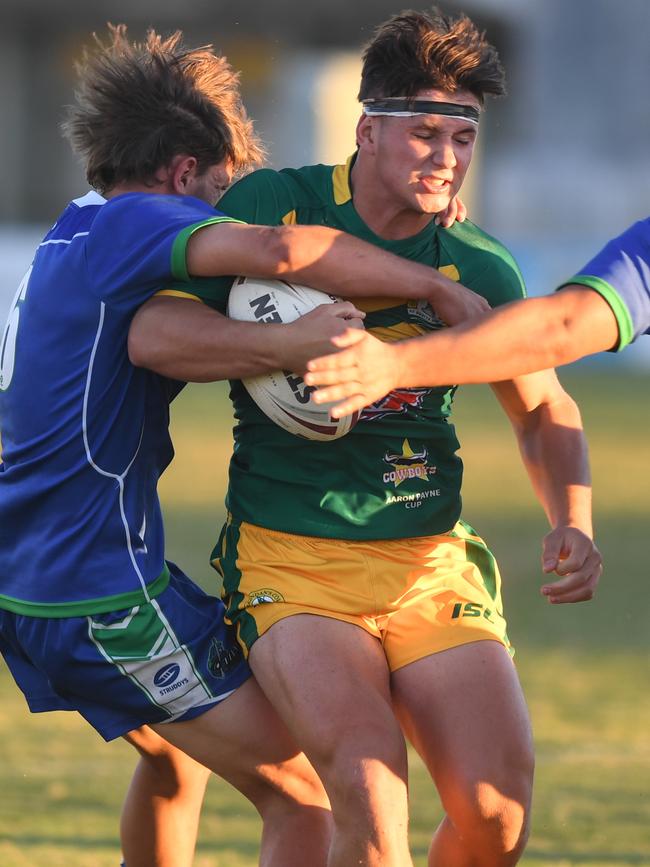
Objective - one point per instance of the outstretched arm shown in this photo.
(518, 338)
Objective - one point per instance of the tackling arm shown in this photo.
(549, 431)
(329, 260)
(518, 338)
(186, 340)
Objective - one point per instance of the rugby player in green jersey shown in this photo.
(370, 611)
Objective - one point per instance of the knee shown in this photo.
(494, 822)
(172, 772)
(289, 788)
(367, 783)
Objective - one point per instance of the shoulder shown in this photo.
(135, 211)
(484, 263)
(636, 238)
(269, 196)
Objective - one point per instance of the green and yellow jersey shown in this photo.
(396, 474)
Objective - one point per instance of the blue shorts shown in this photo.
(168, 660)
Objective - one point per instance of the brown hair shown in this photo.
(415, 51)
(138, 105)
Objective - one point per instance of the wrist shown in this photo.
(400, 368)
(439, 287)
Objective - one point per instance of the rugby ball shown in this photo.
(283, 395)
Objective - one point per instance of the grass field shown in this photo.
(585, 669)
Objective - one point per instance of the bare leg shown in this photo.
(160, 816)
(464, 712)
(244, 741)
(329, 681)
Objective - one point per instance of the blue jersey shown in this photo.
(84, 432)
(621, 274)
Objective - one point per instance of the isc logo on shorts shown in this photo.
(471, 609)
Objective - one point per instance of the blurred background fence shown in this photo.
(563, 160)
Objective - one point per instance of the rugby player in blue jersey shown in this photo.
(92, 616)
(604, 307)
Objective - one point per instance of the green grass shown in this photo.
(584, 668)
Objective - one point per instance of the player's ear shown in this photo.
(182, 173)
(366, 133)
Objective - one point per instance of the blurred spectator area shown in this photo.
(562, 163)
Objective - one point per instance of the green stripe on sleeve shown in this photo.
(179, 248)
(101, 605)
(611, 296)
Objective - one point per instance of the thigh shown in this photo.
(464, 711)
(329, 681)
(243, 740)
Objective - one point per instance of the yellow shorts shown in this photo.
(417, 596)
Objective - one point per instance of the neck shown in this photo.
(388, 218)
(139, 187)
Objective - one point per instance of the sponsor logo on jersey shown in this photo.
(166, 675)
(422, 311)
(264, 596)
(407, 465)
(301, 392)
(397, 402)
(221, 659)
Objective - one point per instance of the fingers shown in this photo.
(573, 555)
(345, 310)
(336, 361)
(347, 407)
(338, 391)
(455, 212)
(344, 376)
(579, 586)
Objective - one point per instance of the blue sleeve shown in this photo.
(620, 273)
(137, 244)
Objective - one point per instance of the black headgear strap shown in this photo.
(406, 106)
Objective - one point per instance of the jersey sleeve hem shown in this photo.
(179, 262)
(177, 293)
(84, 607)
(611, 296)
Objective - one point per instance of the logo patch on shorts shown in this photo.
(167, 674)
(222, 658)
(263, 596)
(471, 609)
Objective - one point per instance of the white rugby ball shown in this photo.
(283, 395)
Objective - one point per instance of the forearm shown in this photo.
(186, 340)
(515, 339)
(554, 451)
(316, 256)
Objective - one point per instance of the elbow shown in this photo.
(279, 251)
(137, 348)
(560, 342)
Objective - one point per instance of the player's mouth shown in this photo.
(436, 186)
